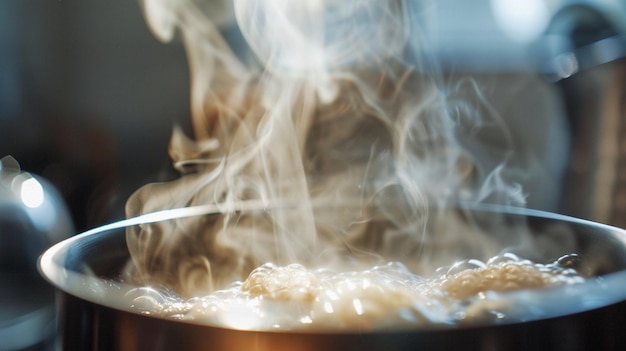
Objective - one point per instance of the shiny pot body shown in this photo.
(594, 318)
(88, 326)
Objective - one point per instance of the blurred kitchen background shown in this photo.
(88, 97)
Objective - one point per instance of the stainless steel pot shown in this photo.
(587, 316)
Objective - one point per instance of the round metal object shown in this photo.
(577, 317)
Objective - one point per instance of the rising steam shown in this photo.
(335, 121)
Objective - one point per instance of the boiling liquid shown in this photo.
(294, 297)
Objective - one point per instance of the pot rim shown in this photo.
(553, 302)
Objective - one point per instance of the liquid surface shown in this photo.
(385, 296)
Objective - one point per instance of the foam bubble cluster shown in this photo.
(389, 295)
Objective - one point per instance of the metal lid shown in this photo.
(32, 218)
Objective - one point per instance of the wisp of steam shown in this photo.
(332, 118)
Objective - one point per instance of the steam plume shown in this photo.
(334, 114)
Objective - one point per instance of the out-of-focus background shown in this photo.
(88, 100)
(88, 96)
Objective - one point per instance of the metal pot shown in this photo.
(576, 317)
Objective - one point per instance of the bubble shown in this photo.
(572, 261)
(145, 299)
(503, 258)
(465, 265)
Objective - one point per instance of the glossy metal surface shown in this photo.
(32, 217)
(595, 314)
